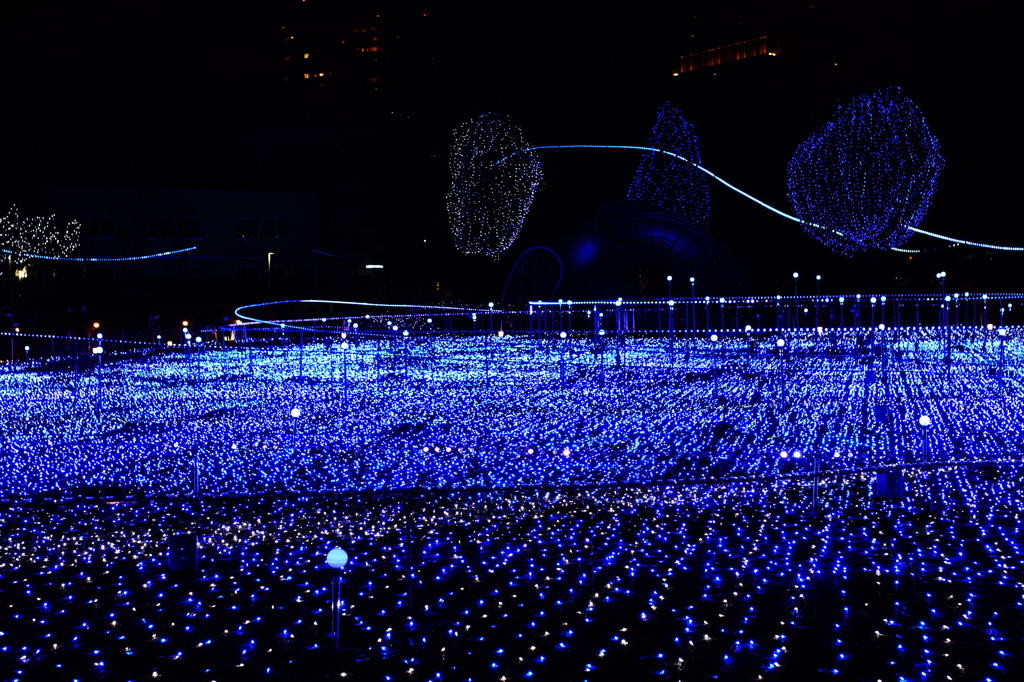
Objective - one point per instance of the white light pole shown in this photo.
(924, 422)
(344, 368)
(781, 345)
(714, 369)
(1002, 354)
(336, 560)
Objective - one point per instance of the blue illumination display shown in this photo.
(487, 205)
(837, 234)
(868, 175)
(567, 493)
(666, 181)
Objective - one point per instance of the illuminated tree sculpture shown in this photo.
(21, 238)
(494, 179)
(667, 182)
(868, 176)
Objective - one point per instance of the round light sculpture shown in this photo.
(337, 558)
(296, 412)
(866, 178)
(494, 178)
(925, 420)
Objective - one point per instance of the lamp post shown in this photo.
(714, 368)
(671, 327)
(924, 422)
(1002, 354)
(98, 352)
(817, 295)
(561, 358)
(948, 359)
(693, 303)
(336, 560)
(344, 370)
(781, 345)
(269, 287)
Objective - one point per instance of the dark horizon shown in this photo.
(170, 96)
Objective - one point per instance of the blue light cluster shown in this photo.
(518, 504)
(390, 410)
(727, 580)
(666, 181)
(487, 204)
(868, 176)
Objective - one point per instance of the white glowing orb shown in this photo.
(337, 558)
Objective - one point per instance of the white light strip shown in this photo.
(755, 199)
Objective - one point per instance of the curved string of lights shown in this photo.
(751, 197)
(284, 325)
(70, 259)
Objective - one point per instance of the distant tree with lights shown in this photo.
(23, 237)
(868, 176)
(667, 182)
(494, 179)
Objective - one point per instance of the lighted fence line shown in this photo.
(408, 306)
(751, 197)
(70, 259)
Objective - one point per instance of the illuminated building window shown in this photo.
(716, 56)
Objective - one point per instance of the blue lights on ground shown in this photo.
(519, 506)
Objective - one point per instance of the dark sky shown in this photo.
(169, 91)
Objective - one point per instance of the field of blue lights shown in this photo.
(518, 504)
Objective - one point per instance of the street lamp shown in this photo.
(817, 295)
(671, 325)
(336, 560)
(714, 368)
(924, 422)
(561, 358)
(781, 345)
(1003, 355)
(98, 352)
(344, 368)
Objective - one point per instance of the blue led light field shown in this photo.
(515, 505)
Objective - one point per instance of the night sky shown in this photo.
(175, 94)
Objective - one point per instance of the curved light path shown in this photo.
(281, 325)
(771, 208)
(96, 260)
